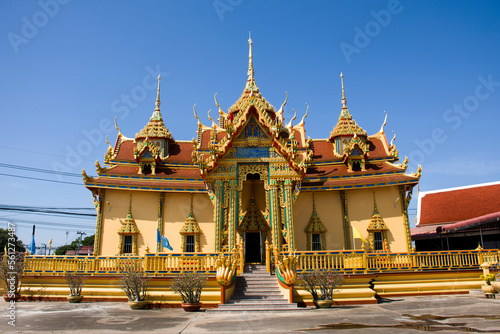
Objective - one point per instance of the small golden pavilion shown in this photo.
(248, 178)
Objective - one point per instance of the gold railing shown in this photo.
(154, 264)
(353, 261)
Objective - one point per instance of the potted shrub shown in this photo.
(11, 272)
(326, 281)
(134, 282)
(75, 282)
(488, 289)
(189, 286)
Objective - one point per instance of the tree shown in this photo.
(87, 241)
(4, 241)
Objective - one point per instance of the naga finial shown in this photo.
(393, 138)
(196, 116)
(289, 125)
(117, 128)
(385, 122)
(304, 117)
(279, 113)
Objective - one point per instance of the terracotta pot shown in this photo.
(140, 305)
(14, 298)
(496, 285)
(75, 299)
(488, 289)
(326, 303)
(188, 307)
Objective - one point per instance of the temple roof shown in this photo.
(458, 204)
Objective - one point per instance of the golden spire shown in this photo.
(343, 94)
(156, 114)
(250, 58)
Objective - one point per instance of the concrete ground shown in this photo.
(451, 314)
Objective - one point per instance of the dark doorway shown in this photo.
(252, 247)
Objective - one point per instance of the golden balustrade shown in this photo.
(354, 261)
(347, 261)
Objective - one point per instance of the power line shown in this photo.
(39, 170)
(38, 179)
(44, 211)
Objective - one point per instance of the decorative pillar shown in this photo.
(345, 220)
(98, 198)
(274, 214)
(287, 197)
(405, 201)
(218, 213)
(159, 223)
(233, 213)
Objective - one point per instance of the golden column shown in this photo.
(345, 220)
(287, 197)
(233, 213)
(218, 213)
(405, 201)
(98, 198)
(274, 213)
(161, 201)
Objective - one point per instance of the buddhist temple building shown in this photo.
(458, 218)
(248, 178)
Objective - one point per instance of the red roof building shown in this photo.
(458, 218)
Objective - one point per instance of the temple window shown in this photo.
(127, 244)
(190, 233)
(378, 242)
(316, 241)
(315, 231)
(190, 243)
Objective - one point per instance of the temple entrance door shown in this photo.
(253, 247)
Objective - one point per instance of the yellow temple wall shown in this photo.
(176, 210)
(360, 210)
(329, 209)
(145, 213)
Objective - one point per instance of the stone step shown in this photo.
(235, 309)
(257, 306)
(258, 301)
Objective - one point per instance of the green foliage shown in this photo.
(487, 278)
(87, 241)
(5, 234)
(189, 286)
(325, 280)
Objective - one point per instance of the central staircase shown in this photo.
(256, 291)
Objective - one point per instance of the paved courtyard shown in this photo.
(450, 314)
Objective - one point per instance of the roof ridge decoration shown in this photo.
(155, 127)
(190, 225)
(315, 225)
(253, 218)
(346, 125)
(250, 103)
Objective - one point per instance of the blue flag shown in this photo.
(163, 240)
(32, 247)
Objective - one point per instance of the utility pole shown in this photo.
(67, 232)
(80, 240)
(44, 249)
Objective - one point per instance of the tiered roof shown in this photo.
(187, 162)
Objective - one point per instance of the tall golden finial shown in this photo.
(156, 114)
(343, 94)
(250, 58)
(157, 104)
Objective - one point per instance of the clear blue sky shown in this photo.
(68, 67)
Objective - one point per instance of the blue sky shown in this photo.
(68, 67)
